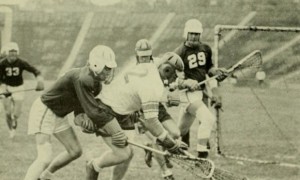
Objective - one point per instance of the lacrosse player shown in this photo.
(142, 89)
(75, 92)
(143, 51)
(11, 72)
(197, 58)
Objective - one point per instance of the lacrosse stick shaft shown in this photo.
(32, 89)
(146, 147)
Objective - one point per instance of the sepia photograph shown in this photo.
(149, 90)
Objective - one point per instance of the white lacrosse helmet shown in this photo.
(192, 26)
(9, 47)
(101, 56)
(143, 48)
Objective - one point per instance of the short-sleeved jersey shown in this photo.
(197, 60)
(12, 73)
(142, 89)
(76, 91)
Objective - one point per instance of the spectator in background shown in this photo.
(11, 72)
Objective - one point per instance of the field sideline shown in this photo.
(17, 155)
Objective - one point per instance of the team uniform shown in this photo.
(197, 62)
(142, 91)
(74, 92)
(12, 78)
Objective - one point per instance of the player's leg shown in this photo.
(120, 170)
(114, 156)
(185, 122)
(15, 107)
(44, 156)
(7, 103)
(164, 164)
(207, 120)
(73, 151)
(41, 124)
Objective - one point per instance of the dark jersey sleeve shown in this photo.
(85, 91)
(30, 68)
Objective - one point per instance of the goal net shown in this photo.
(260, 120)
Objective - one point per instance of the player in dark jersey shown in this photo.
(197, 58)
(11, 72)
(74, 92)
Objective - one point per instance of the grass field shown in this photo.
(17, 155)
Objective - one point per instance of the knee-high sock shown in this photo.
(207, 121)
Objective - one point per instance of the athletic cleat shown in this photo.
(170, 177)
(202, 154)
(91, 174)
(168, 163)
(148, 158)
(208, 145)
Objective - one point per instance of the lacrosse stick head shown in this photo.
(252, 61)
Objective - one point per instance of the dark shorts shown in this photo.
(126, 121)
(163, 115)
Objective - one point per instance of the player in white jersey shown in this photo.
(143, 50)
(142, 89)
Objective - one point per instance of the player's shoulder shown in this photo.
(180, 49)
(3, 60)
(205, 46)
(22, 60)
(84, 75)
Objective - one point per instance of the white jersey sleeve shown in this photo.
(150, 90)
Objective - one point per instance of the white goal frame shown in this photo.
(217, 45)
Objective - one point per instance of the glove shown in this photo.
(191, 84)
(173, 146)
(173, 100)
(86, 124)
(39, 86)
(221, 73)
(118, 136)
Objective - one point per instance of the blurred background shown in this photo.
(50, 31)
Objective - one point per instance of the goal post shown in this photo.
(258, 122)
(7, 28)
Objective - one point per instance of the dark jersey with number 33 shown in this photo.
(11, 73)
(197, 60)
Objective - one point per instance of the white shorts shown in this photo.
(187, 98)
(43, 120)
(19, 95)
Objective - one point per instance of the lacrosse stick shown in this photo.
(202, 168)
(252, 60)
(221, 174)
(23, 90)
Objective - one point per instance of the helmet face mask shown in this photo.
(170, 66)
(143, 51)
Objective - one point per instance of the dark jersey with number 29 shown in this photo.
(197, 60)
(11, 73)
